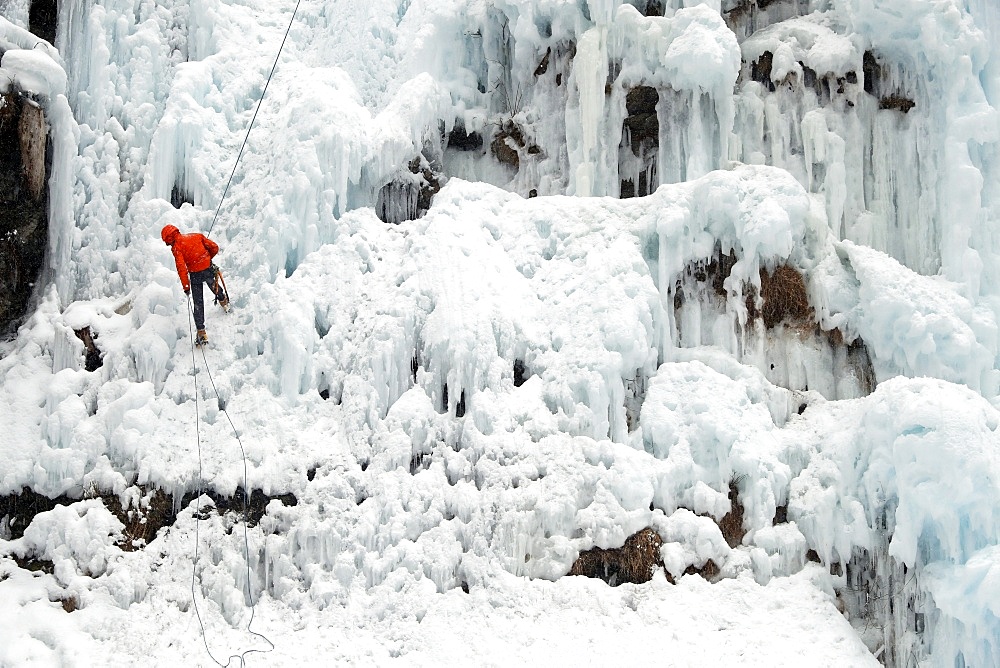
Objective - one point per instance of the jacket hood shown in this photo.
(169, 234)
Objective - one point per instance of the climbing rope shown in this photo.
(194, 364)
(254, 118)
(198, 519)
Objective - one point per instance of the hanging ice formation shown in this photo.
(530, 276)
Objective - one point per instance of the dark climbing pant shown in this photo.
(198, 279)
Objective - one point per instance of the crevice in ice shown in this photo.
(35, 565)
(638, 153)
(179, 196)
(714, 271)
(148, 511)
(521, 373)
(460, 139)
(329, 390)
(565, 53)
(860, 360)
(635, 394)
(43, 18)
(543, 65)
(460, 405)
(251, 512)
(420, 461)
(709, 571)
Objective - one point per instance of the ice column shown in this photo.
(589, 70)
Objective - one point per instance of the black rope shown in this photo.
(250, 127)
(241, 657)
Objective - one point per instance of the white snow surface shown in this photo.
(463, 403)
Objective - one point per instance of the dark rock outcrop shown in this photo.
(24, 203)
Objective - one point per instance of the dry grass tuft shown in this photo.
(634, 562)
(784, 299)
(897, 102)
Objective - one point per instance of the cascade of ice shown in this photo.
(590, 63)
(482, 388)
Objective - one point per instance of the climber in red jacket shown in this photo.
(193, 254)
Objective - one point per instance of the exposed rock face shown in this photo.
(408, 196)
(24, 204)
(634, 562)
(42, 19)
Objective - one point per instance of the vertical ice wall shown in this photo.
(816, 88)
(883, 113)
(838, 93)
(694, 112)
(546, 87)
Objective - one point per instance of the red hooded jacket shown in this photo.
(192, 252)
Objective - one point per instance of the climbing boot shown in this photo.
(201, 338)
(224, 303)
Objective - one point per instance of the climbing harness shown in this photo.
(200, 515)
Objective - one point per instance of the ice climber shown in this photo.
(193, 254)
